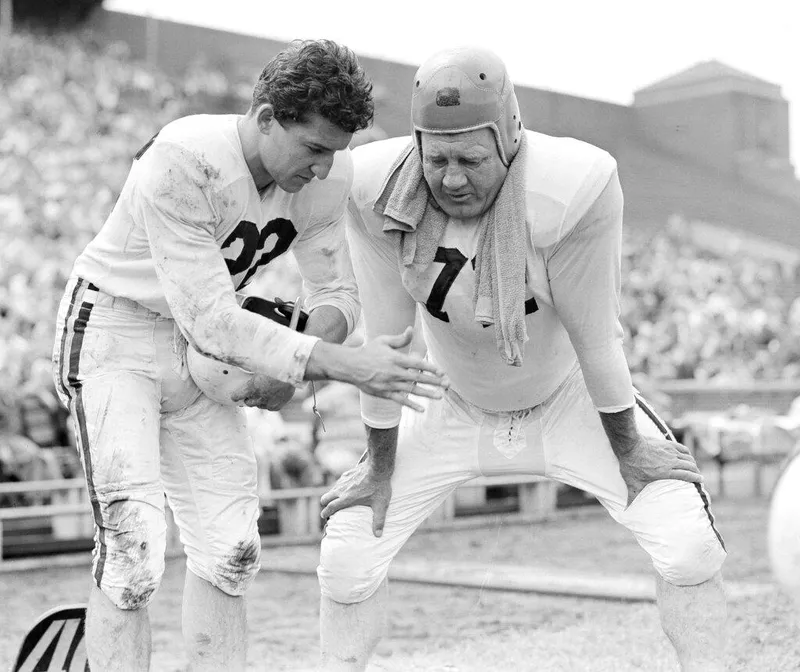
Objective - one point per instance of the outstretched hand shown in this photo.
(651, 459)
(359, 486)
(383, 370)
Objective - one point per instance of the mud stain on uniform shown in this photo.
(136, 597)
(237, 569)
(203, 642)
(129, 559)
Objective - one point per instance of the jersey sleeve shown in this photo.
(386, 305)
(585, 280)
(180, 211)
(323, 258)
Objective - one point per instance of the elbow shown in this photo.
(353, 314)
(345, 300)
(348, 302)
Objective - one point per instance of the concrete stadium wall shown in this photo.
(689, 395)
(658, 182)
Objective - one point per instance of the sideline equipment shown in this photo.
(55, 642)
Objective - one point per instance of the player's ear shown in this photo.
(265, 116)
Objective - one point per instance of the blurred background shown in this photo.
(693, 103)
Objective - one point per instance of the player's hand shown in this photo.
(360, 486)
(264, 392)
(382, 370)
(652, 459)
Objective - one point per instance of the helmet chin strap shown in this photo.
(293, 322)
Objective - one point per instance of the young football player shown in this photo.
(209, 201)
(507, 243)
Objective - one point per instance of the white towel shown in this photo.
(413, 215)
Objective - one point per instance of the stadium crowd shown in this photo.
(691, 314)
(73, 114)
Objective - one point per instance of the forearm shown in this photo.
(382, 449)
(218, 328)
(585, 281)
(328, 323)
(329, 361)
(621, 430)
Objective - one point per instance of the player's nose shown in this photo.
(454, 179)
(322, 166)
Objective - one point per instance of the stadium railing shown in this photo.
(762, 443)
(40, 530)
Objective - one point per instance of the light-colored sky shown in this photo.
(603, 50)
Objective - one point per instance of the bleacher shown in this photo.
(74, 113)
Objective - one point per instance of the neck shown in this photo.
(249, 137)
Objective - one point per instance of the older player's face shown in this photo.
(294, 154)
(463, 171)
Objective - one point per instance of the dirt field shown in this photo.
(469, 630)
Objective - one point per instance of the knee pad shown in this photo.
(672, 521)
(349, 573)
(129, 552)
(692, 562)
(233, 569)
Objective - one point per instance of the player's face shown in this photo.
(293, 154)
(463, 171)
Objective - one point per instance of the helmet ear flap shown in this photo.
(511, 126)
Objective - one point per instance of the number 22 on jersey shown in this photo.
(280, 231)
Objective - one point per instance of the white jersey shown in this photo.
(574, 205)
(190, 229)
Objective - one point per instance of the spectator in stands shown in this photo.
(73, 113)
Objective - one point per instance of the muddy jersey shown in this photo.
(574, 219)
(190, 229)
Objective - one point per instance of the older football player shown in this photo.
(208, 202)
(507, 244)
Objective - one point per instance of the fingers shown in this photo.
(432, 379)
(242, 392)
(276, 403)
(400, 340)
(416, 364)
(403, 399)
(379, 517)
(686, 475)
(327, 498)
(267, 402)
(332, 507)
(687, 463)
(681, 448)
(423, 391)
(333, 501)
(415, 377)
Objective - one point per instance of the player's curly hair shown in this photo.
(317, 76)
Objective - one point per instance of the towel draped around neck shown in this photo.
(413, 215)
